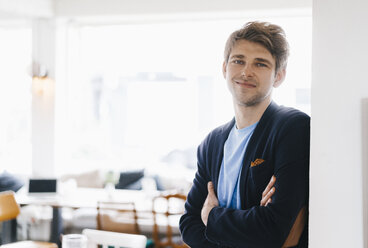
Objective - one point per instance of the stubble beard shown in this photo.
(252, 101)
(241, 98)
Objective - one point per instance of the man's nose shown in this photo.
(247, 71)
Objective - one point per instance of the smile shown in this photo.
(246, 84)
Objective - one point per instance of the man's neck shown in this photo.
(248, 115)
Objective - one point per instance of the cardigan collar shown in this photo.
(271, 108)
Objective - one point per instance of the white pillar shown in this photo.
(43, 109)
(338, 193)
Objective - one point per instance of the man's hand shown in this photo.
(299, 224)
(268, 192)
(211, 202)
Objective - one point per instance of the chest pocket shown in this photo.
(260, 175)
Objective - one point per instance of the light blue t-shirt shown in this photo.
(234, 149)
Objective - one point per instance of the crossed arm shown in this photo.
(212, 201)
(295, 232)
(205, 224)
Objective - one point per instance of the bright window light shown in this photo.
(145, 95)
(15, 100)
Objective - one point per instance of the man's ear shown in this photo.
(279, 78)
(224, 69)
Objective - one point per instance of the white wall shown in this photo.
(339, 82)
(80, 8)
(26, 8)
(43, 105)
(117, 7)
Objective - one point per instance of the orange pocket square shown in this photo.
(256, 162)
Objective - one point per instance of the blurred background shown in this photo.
(100, 89)
(127, 85)
(119, 94)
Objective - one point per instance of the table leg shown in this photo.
(56, 226)
(9, 231)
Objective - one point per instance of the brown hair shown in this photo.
(271, 36)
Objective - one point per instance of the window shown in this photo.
(15, 100)
(141, 94)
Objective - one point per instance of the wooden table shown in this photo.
(85, 198)
(30, 244)
(88, 198)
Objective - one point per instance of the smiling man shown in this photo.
(251, 186)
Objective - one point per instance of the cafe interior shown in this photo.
(103, 105)
(106, 103)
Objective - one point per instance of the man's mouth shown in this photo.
(245, 83)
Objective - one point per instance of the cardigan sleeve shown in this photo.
(269, 226)
(191, 226)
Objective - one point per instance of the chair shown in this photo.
(105, 239)
(169, 208)
(9, 210)
(117, 217)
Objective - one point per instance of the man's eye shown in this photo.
(239, 62)
(261, 65)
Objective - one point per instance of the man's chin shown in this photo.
(251, 102)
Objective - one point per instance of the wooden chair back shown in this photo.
(167, 205)
(117, 217)
(9, 209)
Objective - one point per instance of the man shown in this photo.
(265, 148)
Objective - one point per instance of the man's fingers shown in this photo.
(267, 198)
(210, 188)
(268, 192)
(211, 197)
(210, 202)
(269, 186)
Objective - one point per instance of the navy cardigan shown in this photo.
(281, 139)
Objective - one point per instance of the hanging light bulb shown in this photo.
(42, 85)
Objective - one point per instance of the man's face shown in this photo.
(250, 73)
